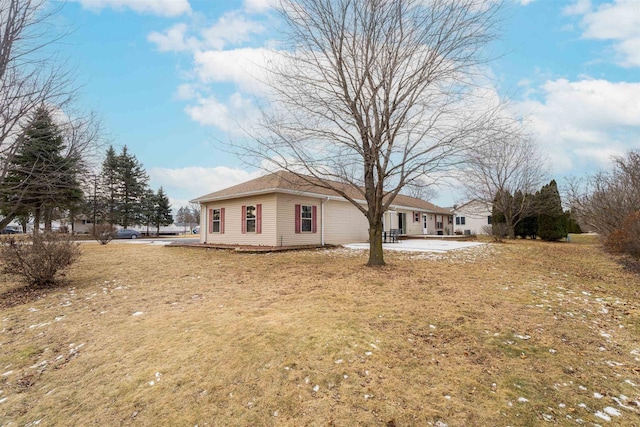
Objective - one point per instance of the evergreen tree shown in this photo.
(162, 210)
(42, 175)
(148, 205)
(106, 197)
(551, 222)
(132, 188)
(123, 188)
(528, 225)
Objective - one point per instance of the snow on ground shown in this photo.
(419, 245)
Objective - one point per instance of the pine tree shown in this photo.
(133, 185)
(124, 186)
(551, 222)
(42, 175)
(107, 194)
(162, 212)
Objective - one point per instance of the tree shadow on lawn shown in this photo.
(24, 293)
(630, 264)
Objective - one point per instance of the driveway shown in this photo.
(419, 245)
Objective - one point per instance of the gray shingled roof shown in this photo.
(283, 181)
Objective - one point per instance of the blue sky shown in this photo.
(172, 78)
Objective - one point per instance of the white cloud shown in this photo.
(224, 116)
(183, 184)
(580, 7)
(232, 28)
(244, 67)
(257, 6)
(153, 7)
(581, 124)
(618, 22)
(174, 39)
(186, 91)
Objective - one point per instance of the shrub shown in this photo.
(626, 239)
(103, 233)
(498, 231)
(40, 258)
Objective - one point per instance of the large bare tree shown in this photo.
(375, 94)
(604, 200)
(505, 172)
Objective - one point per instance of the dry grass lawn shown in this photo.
(519, 334)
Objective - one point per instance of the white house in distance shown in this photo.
(283, 209)
(472, 217)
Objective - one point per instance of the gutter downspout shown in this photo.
(322, 221)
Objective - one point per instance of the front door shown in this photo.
(425, 228)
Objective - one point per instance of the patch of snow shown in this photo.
(597, 395)
(562, 405)
(338, 361)
(316, 388)
(345, 376)
(523, 399)
(366, 396)
(137, 313)
(4, 399)
(275, 413)
(40, 325)
(581, 387)
(373, 345)
(547, 417)
(33, 310)
(552, 351)
(440, 423)
(6, 374)
(602, 415)
(631, 383)
(447, 397)
(432, 326)
(368, 353)
(612, 411)
(522, 337)
(582, 405)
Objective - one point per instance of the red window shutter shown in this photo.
(259, 218)
(243, 219)
(314, 219)
(297, 219)
(210, 220)
(221, 220)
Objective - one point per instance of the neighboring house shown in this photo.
(472, 217)
(282, 209)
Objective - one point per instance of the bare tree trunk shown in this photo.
(47, 219)
(376, 257)
(36, 221)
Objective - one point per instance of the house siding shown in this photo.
(344, 223)
(476, 217)
(232, 224)
(285, 229)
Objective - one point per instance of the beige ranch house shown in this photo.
(282, 209)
